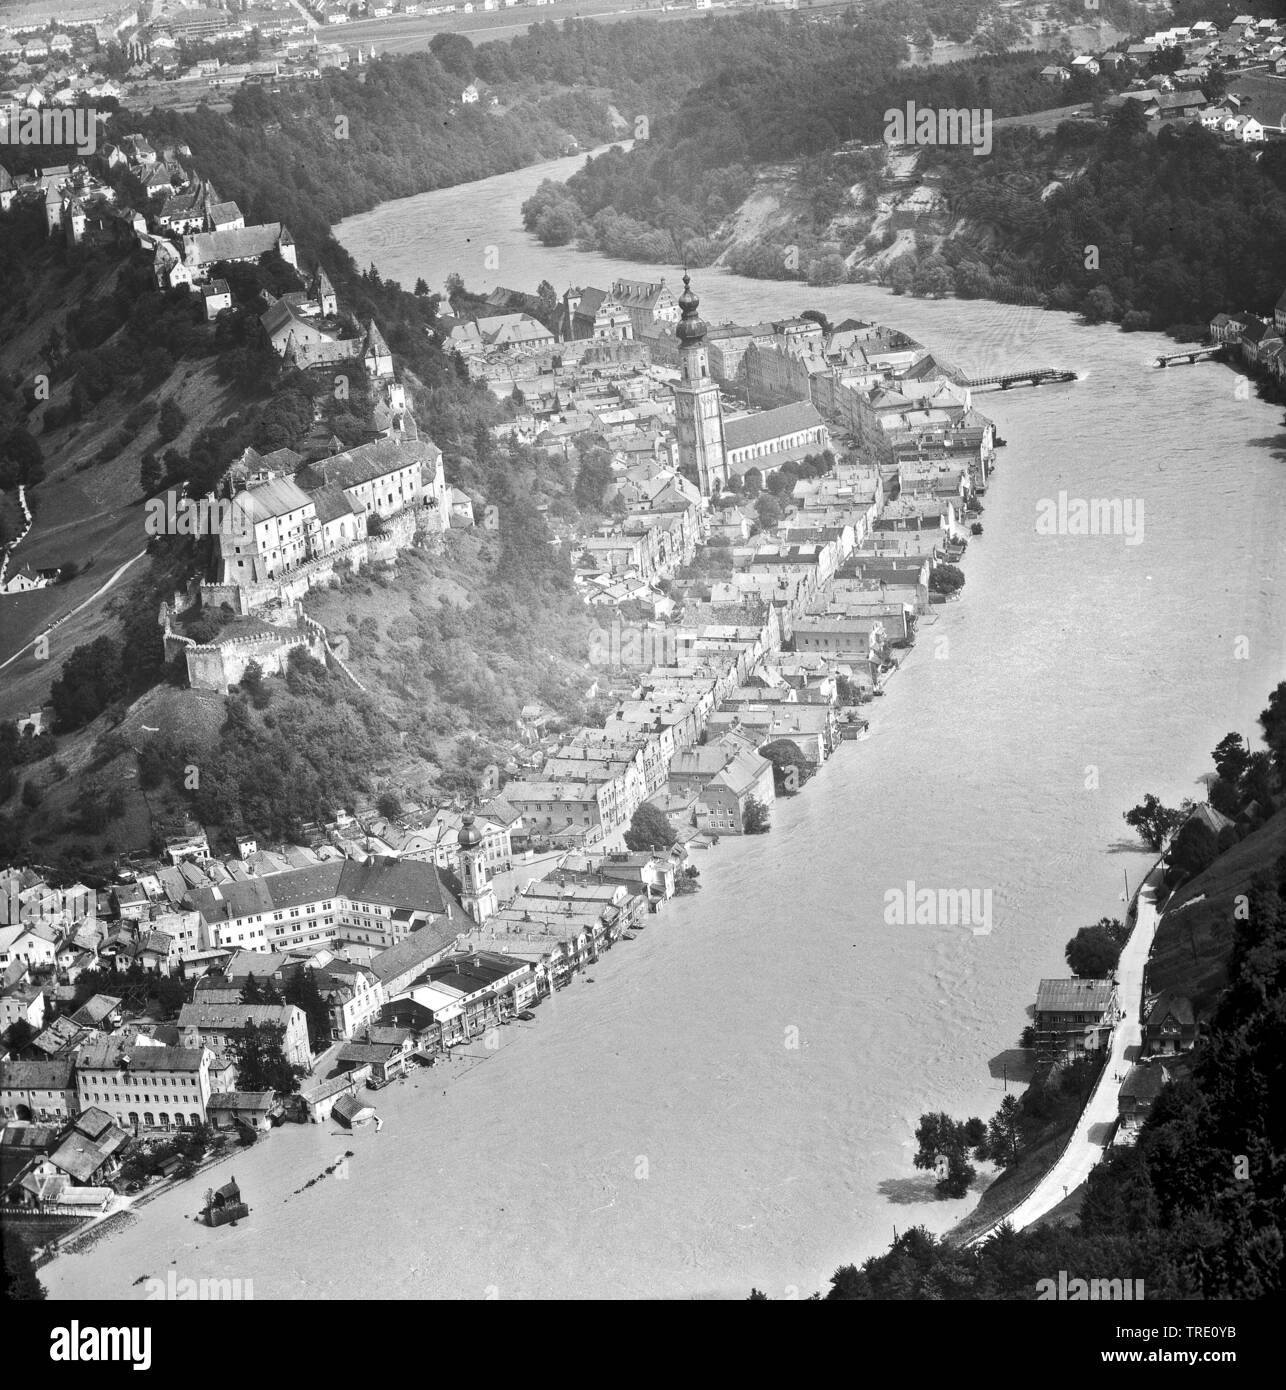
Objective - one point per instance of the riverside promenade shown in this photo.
(1093, 1131)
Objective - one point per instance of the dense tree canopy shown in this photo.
(649, 829)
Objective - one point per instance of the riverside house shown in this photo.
(215, 1026)
(145, 1087)
(38, 1090)
(1137, 1095)
(1170, 1027)
(1072, 1016)
(722, 803)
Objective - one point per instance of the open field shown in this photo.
(18, 14)
(1043, 120)
(1267, 94)
(407, 33)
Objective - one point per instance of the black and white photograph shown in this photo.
(774, 507)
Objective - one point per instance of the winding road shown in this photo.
(71, 613)
(1093, 1131)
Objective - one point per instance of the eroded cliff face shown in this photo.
(804, 223)
(827, 228)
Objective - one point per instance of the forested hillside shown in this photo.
(1196, 1208)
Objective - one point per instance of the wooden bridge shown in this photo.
(1035, 376)
(1192, 355)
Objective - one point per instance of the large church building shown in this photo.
(712, 451)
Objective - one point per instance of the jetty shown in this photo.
(1210, 351)
(1034, 376)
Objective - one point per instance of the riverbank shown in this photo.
(1006, 760)
(1006, 1198)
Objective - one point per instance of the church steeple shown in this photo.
(478, 897)
(690, 329)
(698, 413)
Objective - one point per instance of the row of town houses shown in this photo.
(1260, 342)
(794, 623)
(401, 966)
(798, 623)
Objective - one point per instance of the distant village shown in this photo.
(183, 53)
(1246, 45)
(171, 53)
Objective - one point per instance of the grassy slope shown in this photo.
(1192, 943)
(92, 515)
(193, 716)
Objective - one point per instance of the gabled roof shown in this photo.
(366, 463)
(259, 1101)
(1168, 1004)
(81, 1157)
(1074, 996)
(771, 424)
(93, 1011)
(593, 302)
(375, 340)
(60, 1036)
(277, 497)
(418, 949)
(279, 316)
(110, 1054)
(350, 1109)
(332, 503)
(1213, 820)
(742, 773)
(221, 1017)
(1143, 1083)
(55, 1075)
(243, 243)
(359, 1051)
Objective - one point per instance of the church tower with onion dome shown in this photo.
(698, 414)
(478, 897)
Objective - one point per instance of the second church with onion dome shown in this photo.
(698, 412)
(477, 896)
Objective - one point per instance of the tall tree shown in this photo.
(1273, 722)
(302, 989)
(1092, 953)
(1154, 822)
(21, 1283)
(1231, 757)
(1005, 1132)
(649, 829)
(261, 1063)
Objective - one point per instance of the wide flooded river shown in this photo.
(736, 1105)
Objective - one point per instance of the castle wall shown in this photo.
(219, 666)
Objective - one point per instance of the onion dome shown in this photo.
(470, 836)
(690, 329)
